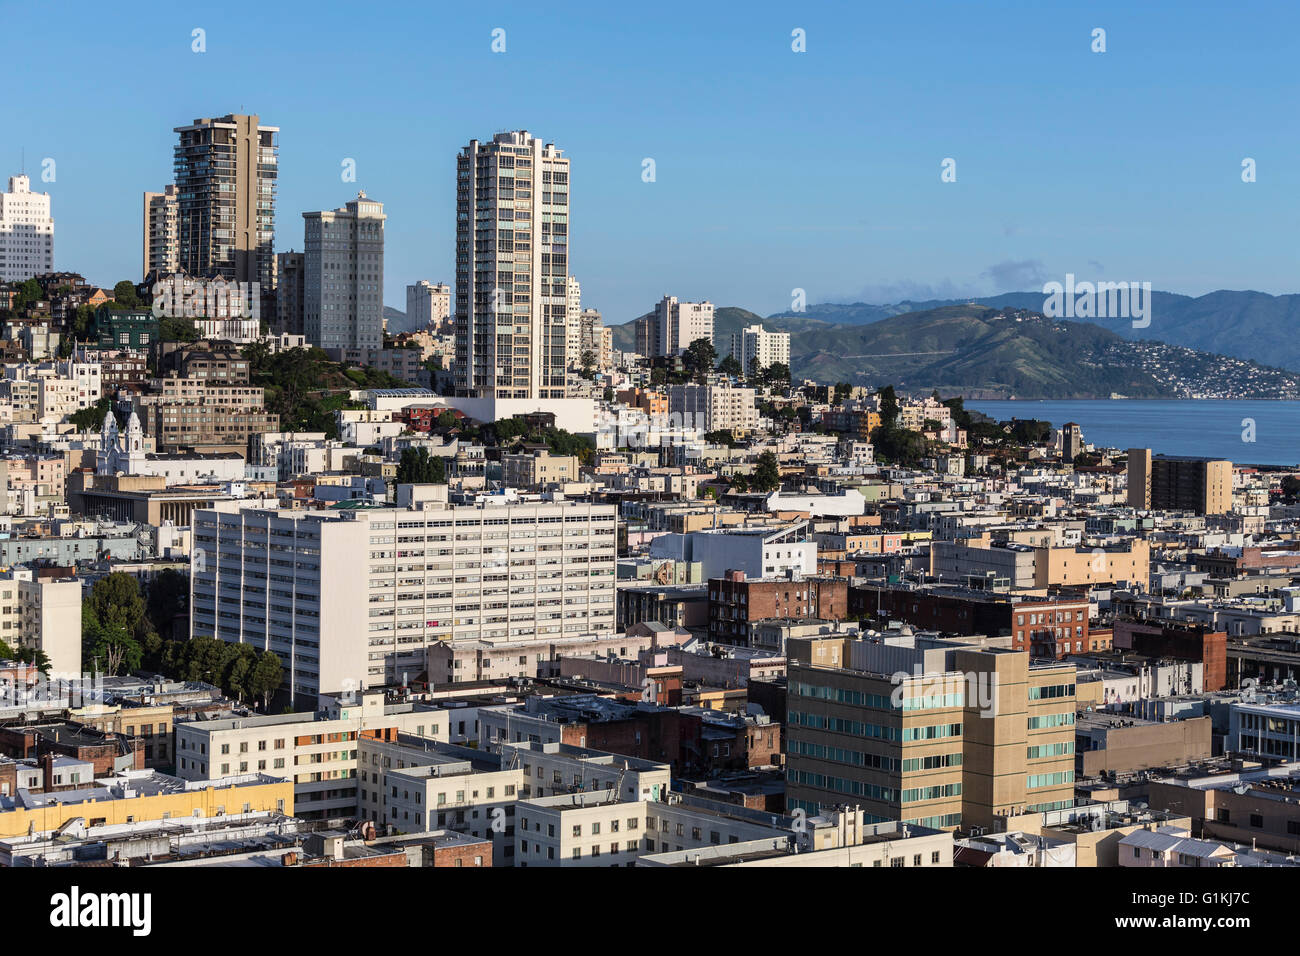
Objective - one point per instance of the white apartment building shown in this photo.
(756, 552)
(358, 594)
(713, 407)
(753, 344)
(512, 268)
(318, 751)
(673, 326)
(161, 252)
(54, 390)
(573, 322)
(26, 232)
(343, 284)
(598, 828)
(43, 614)
(428, 304)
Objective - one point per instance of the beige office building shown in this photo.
(929, 731)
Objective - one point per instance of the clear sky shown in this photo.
(774, 170)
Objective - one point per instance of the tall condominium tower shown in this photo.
(225, 172)
(343, 288)
(512, 268)
(428, 304)
(161, 233)
(26, 232)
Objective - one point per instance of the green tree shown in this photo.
(588, 363)
(767, 473)
(888, 406)
(173, 328)
(731, 366)
(266, 677)
(417, 467)
(91, 419)
(124, 294)
(700, 357)
(167, 597)
(28, 293)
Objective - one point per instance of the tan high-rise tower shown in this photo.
(161, 252)
(226, 171)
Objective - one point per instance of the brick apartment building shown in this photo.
(107, 752)
(1047, 627)
(736, 603)
(1184, 642)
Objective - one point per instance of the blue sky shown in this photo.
(775, 170)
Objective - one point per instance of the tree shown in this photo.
(83, 317)
(124, 294)
(899, 445)
(417, 467)
(173, 328)
(258, 355)
(114, 624)
(767, 473)
(266, 677)
(700, 357)
(1030, 431)
(959, 413)
(888, 406)
(731, 366)
(167, 597)
(91, 419)
(446, 419)
(1290, 487)
(778, 373)
(588, 361)
(28, 292)
(842, 391)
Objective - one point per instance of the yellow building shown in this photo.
(140, 796)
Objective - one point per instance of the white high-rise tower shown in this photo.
(26, 232)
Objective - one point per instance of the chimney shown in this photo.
(47, 764)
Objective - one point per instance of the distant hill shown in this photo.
(987, 352)
(1246, 325)
(397, 321)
